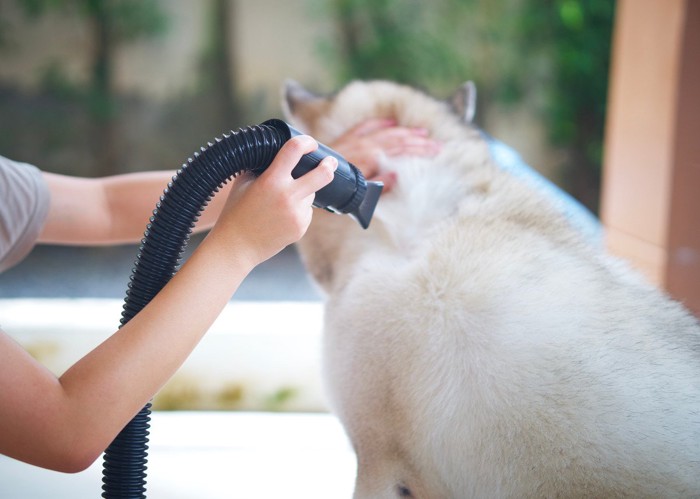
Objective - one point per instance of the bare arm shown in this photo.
(65, 423)
(109, 210)
(115, 210)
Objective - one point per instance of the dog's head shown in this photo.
(429, 189)
(327, 116)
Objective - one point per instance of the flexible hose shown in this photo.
(250, 149)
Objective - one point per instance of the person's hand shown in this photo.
(365, 144)
(264, 215)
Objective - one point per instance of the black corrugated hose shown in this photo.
(251, 149)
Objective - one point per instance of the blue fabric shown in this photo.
(579, 216)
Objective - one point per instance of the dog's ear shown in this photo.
(297, 101)
(464, 101)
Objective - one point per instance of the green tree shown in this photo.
(576, 36)
(403, 40)
(217, 78)
(112, 23)
(555, 51)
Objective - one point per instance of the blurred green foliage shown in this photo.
(554, 53)
(127, 19)
(408, 41)
(85, 126)
(549, 55)
(576, 34)
(112, 23)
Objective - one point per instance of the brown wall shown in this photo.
(651, 183)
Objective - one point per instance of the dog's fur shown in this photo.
(477, 345)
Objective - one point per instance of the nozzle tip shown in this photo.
(363, 213)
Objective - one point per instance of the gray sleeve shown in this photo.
(24, 205)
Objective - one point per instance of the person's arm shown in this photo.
(114, 210)
(65, 423)
(109, 210)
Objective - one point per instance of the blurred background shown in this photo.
(99, 87)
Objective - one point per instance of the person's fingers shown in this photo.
(412, 148)
(400, 131)
(371, 125)
(318, 177)
(392, 136)
(290, 154)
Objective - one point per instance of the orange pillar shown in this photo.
(651, 181)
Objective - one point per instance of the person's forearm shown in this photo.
(65, 423)
(109, 210)
(105, 389)
(132, 199)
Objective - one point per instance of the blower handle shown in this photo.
(348, 193)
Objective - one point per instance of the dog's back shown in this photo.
(478, 345)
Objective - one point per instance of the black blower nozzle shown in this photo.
(348, 193)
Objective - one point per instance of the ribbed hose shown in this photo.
(250, 149)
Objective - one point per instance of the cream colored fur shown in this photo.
(476, 345)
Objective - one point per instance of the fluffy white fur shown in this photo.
(476, 345)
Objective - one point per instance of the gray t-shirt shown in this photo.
(24, 204)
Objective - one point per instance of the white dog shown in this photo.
(477, 344)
